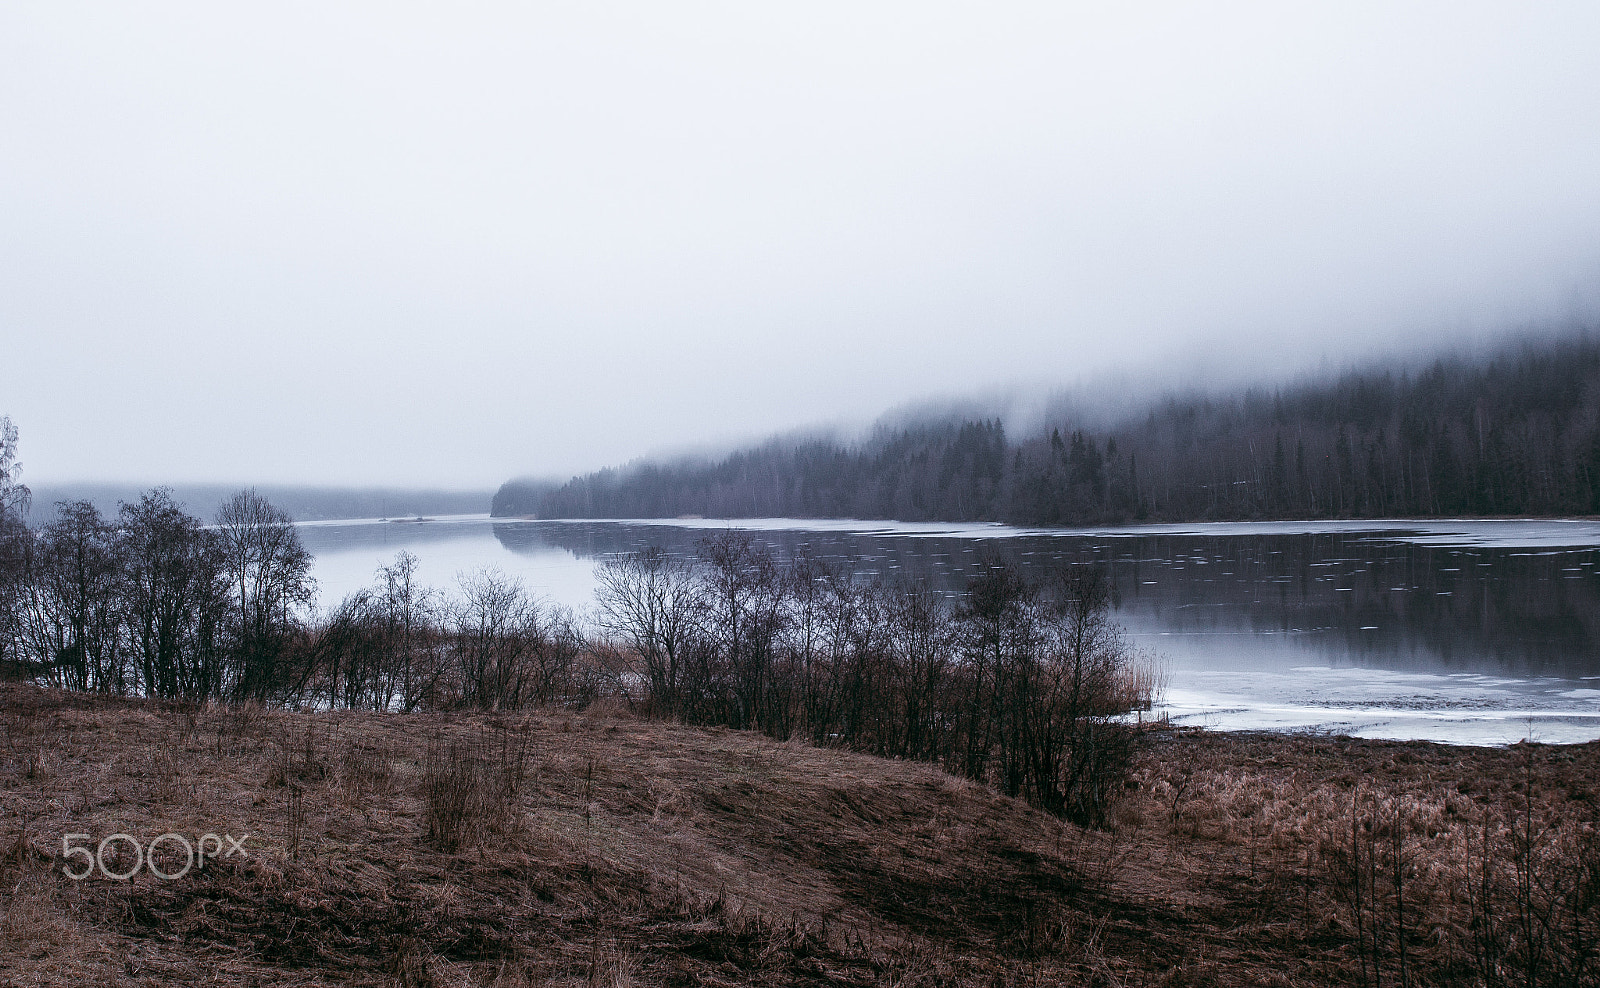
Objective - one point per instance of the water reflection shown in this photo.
(1358, 598)
(1471, 631)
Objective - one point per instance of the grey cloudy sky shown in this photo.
(448, 243)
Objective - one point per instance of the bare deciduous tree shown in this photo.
(998, 639)
(72, 622)
(270, 573)
(921, 637)
(743, 616)
(492, 627)
(651, 601)
(409, 612)
(175, 598)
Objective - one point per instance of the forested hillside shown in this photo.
(1517, 433)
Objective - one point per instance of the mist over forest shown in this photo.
(1514, 430)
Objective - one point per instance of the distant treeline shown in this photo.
(303, 503)
(1515, 434)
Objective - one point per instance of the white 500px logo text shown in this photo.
(210, 846)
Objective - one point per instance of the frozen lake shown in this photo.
(1471, 631)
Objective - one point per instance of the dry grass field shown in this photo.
(601, 849)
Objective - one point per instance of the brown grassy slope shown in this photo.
(601, 849)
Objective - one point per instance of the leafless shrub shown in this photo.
(1533, 889)
(471, 790)
(294, 822)
(1369, 873)
(299, 761)
(509, 653)
(1048, 676)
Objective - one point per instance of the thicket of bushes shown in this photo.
(154, 602)
(1018, 683)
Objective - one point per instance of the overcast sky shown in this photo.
(450, 243)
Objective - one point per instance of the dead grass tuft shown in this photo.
(298, 760)
(470, 790)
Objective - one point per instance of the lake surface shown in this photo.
(1483, 632)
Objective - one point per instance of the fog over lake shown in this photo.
(1468, 631)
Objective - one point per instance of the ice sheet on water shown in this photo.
(1452, 727)
(1487, 532)
(1378, 703)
